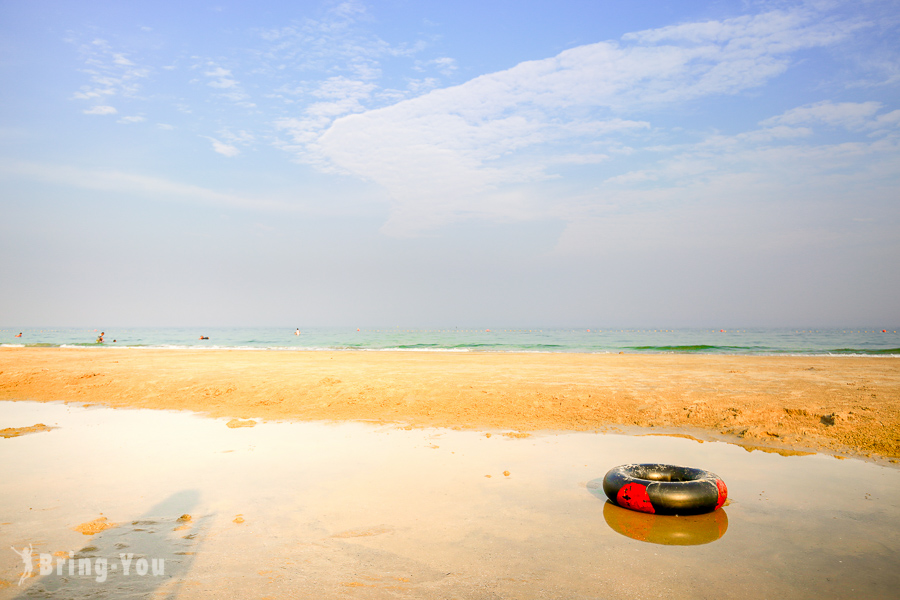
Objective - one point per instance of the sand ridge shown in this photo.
(9, 432)
(837, 403)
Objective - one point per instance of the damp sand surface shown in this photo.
(844, 404)
(361, 510)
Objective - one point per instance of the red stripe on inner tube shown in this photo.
(634, 496)
(723, 494)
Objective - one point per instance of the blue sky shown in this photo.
(645, 163)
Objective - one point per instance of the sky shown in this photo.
(530, 163)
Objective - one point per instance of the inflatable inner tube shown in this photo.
(665, 489)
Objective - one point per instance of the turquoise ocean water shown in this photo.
(758, 341)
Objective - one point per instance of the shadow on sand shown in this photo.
(150, 555)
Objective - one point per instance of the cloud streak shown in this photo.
(223, 148)
(100, 110)
(854, 116)
(468, 151)
(154, 188)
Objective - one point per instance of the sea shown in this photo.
(751, 341)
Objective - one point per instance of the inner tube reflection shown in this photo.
(692, 530)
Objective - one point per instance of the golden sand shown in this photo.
(834, 403)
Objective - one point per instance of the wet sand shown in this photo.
(838, 404)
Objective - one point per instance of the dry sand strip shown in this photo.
(836, 403)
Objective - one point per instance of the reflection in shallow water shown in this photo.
(692, 530)
(354, 510)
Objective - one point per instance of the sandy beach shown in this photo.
(838, 404)
(442, 475)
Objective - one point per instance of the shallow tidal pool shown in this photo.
(115, 503)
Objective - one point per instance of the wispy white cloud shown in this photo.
(162, 189)
(444, 65)
(152, 188)
(242, 137)
(579, 159)
(111, 73)
(464, 151)
(100, 110)
(220, 78)
(774, 189)
(335, 97)
(227, 86)
(302, 76)
(484, 148)
(416, 87)
(223, 148)
(850, 115)
(120, 60)
(775, 198)
(341, 44)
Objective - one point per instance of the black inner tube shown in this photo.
(665, 489)
(669, 473)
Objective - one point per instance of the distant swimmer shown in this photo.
(203, 337)
(100, 337)
(19, 334)
(297, 332)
